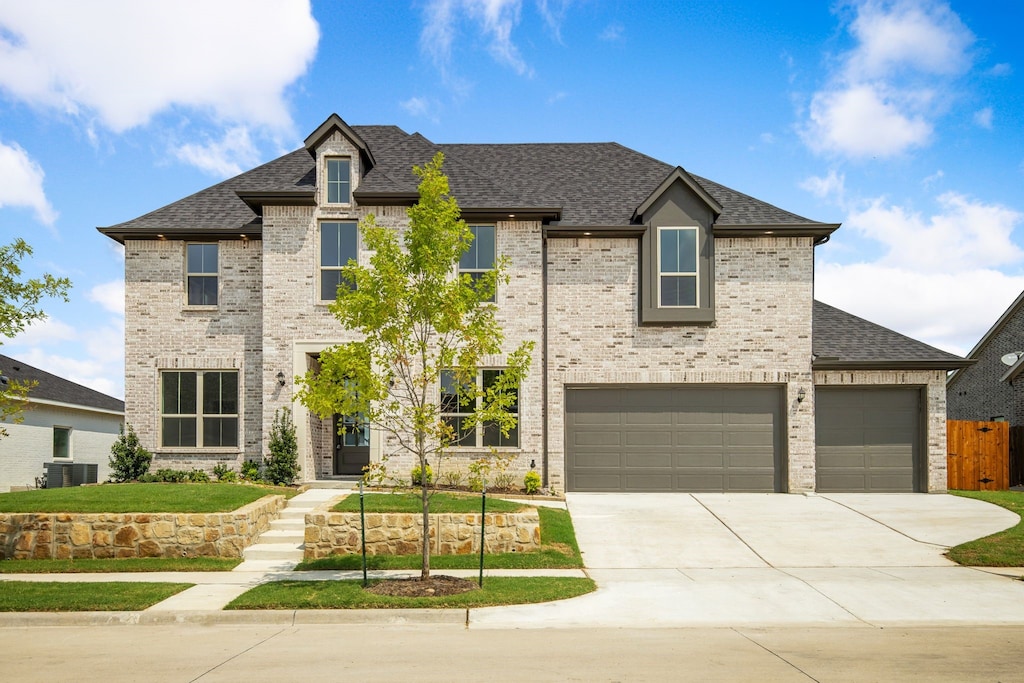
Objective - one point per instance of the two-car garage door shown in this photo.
(720, 438)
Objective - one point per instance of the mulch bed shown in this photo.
(419, 588)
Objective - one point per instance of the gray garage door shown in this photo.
(868, 439)
(674, 439)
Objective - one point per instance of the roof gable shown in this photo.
(678, 175)
(334, 123)
(1014, 309)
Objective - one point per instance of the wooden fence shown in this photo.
(978, 455)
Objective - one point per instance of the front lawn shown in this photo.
(440, 503)
(55, 596)
(127, 564)
(497, 590)
(121, 498)
(1003, 549)
(559, 550)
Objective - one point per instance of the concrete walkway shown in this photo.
(684, 560)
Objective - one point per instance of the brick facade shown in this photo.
(976, 392)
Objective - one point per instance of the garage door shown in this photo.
(674, 439)
(868, 439)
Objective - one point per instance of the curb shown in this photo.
(381, 617)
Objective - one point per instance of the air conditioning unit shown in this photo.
(65, 474)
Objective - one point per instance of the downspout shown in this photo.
(544, 356)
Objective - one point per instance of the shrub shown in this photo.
(453, 478)
(503, 481)
(165, 475)
(531, 483)
(224, 473)
(250, 470)
(417, 476)
(282, 466)
(197, 476)
(478, 471)
(128, 459)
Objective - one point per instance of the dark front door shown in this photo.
(351, 444)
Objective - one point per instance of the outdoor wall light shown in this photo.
(280, 379)
(801, 395)
(533, 464)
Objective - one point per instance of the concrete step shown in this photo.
(285, 523)
(267, 565)
(282, 536)
(274, 551)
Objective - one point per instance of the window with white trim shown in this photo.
(677, 267)
(482, 253)
(201, 274)
(456, 412)
(339, 244)
(339, 181)
(199, 409)
(61, 442)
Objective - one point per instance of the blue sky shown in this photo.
(901, 120)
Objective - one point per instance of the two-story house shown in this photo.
(679, 346)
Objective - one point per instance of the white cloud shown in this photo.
(1002, 69)
(983, 118)
(223, 158)
(612, 32)
(831, 187)
(124, 61)
(424, 107)
(43, 332)
(22, 183)
(109, 295)
(496, 19)
(886, 92)
(966, 234)
(933, 178)
(948, 310)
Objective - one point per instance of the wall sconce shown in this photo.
(280, 379)
(801, 395)
(533, 464)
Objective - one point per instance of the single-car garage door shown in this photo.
(674, 438)
(868, 439)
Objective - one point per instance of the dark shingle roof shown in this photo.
(54, 388)
(842, 340)
(592, 184)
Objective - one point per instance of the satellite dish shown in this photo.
(1012, 358)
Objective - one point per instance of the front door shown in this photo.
(351, 444)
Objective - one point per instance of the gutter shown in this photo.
(836, 364)
(74, 406)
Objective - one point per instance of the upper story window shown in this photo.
(677, 269)
(62, 442)
(339, 181)
(201, 274)
(199, 409)
(456, 412)
(482, 253)
(338, 245)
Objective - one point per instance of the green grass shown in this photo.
(53, 596)
(128, 564)
(557, 536)
(350, 594)
(120, 498)
(1004, 549)
(440, 503)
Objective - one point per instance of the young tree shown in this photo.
(417, 320)
(19, 306)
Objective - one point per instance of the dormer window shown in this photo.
(677, 272)
(339, 181)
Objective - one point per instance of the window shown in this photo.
(201, 274)
(677, 269)
(457, 412)
(339, 182)
(338, 244)
(480, 257)
(61, 442)
(199, 409)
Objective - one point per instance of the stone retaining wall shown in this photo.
(337, 533)
(66, 535)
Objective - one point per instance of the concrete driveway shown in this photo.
(778, 560)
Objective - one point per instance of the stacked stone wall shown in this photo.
(64, 535)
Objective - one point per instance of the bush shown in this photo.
(165, 475)
(478, 471)
(197, 476)
(251, 470)
(531, 483)
(282, 466)
(452, 478)
(128, 459)
(224, 473)
(417, 476)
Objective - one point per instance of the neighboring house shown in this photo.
(993, 389)
(63, 422)
(678, 343)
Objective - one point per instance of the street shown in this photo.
(309, 652)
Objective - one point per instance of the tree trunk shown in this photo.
(424, 483)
